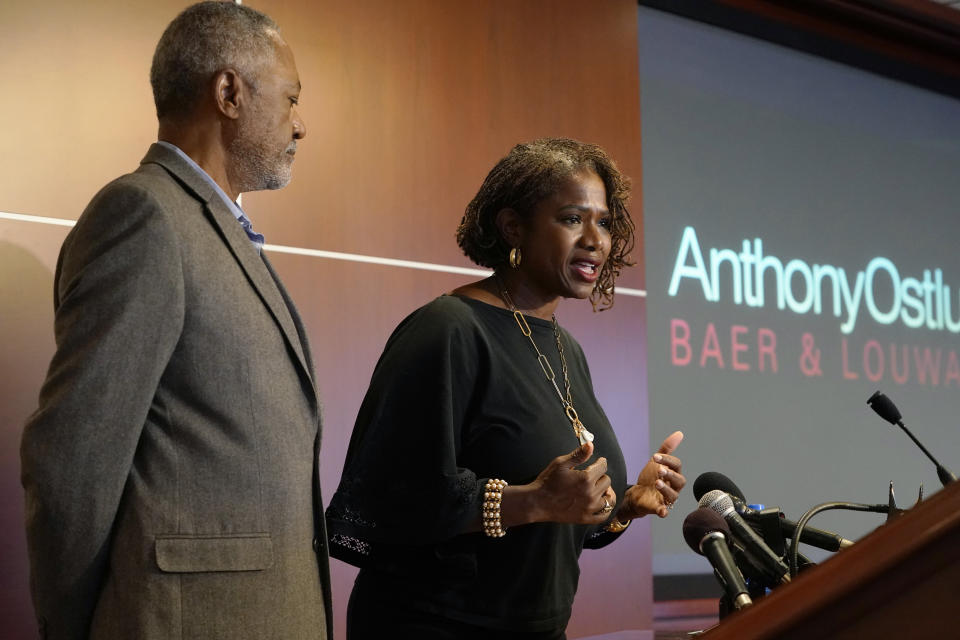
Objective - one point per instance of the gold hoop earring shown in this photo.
(515, 258)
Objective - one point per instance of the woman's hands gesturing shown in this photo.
(658, 485)
(563, 493)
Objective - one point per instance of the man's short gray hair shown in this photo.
(203, 40)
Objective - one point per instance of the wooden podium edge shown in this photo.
(841, 576)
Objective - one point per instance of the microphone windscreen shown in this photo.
(717, 500)
(711, 480)
(701, 522)
(884, 407)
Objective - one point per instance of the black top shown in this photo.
(458, 397)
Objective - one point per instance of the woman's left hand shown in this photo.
(658, 486)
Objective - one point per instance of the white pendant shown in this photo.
(585, 436)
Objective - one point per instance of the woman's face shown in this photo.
(566, 240)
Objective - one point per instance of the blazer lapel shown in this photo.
(297, 322)
(256, 269)
(236, 239)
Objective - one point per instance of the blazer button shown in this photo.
(316, 544)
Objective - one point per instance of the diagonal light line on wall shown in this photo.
(390, 262)
(22, 217)
(408, 264)
(320, 253)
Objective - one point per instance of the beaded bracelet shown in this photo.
(493, 494)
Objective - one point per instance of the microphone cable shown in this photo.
(826, 506)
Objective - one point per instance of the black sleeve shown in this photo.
(401, 484)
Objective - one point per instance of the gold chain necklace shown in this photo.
(583, 435)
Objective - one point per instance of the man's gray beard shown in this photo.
(252, 166)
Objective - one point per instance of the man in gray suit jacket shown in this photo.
(171, 469)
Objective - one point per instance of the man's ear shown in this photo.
(510, 226)
(229, 93)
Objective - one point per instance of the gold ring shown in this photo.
(607, 507)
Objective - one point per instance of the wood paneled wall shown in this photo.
(407, 106)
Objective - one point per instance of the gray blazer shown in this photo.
(171, 478)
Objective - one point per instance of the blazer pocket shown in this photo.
(196, 554)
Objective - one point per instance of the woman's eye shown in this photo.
(606, 223)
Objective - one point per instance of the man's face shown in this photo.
(268, 129)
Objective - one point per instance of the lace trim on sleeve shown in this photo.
(355, 545)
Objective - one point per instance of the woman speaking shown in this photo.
(481, 464)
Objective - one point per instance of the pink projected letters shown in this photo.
(711, 353)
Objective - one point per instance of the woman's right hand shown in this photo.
(563, 493)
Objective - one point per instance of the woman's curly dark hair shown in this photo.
(527, 175)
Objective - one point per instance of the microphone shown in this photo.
(759, 554)
(819, 538)
(885, 408)
(713, 480)
(707, 533)
(710, 480)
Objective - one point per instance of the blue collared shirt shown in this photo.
(255, 238)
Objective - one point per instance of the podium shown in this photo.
(900, 581)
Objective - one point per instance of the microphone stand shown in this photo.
(944, 474)
(884, 407)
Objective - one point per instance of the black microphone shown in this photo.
(888, 411)
(819, 538)
(707, 533)
(714, 480)
(760, 555)
(710, 480)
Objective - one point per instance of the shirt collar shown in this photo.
(234, 208)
